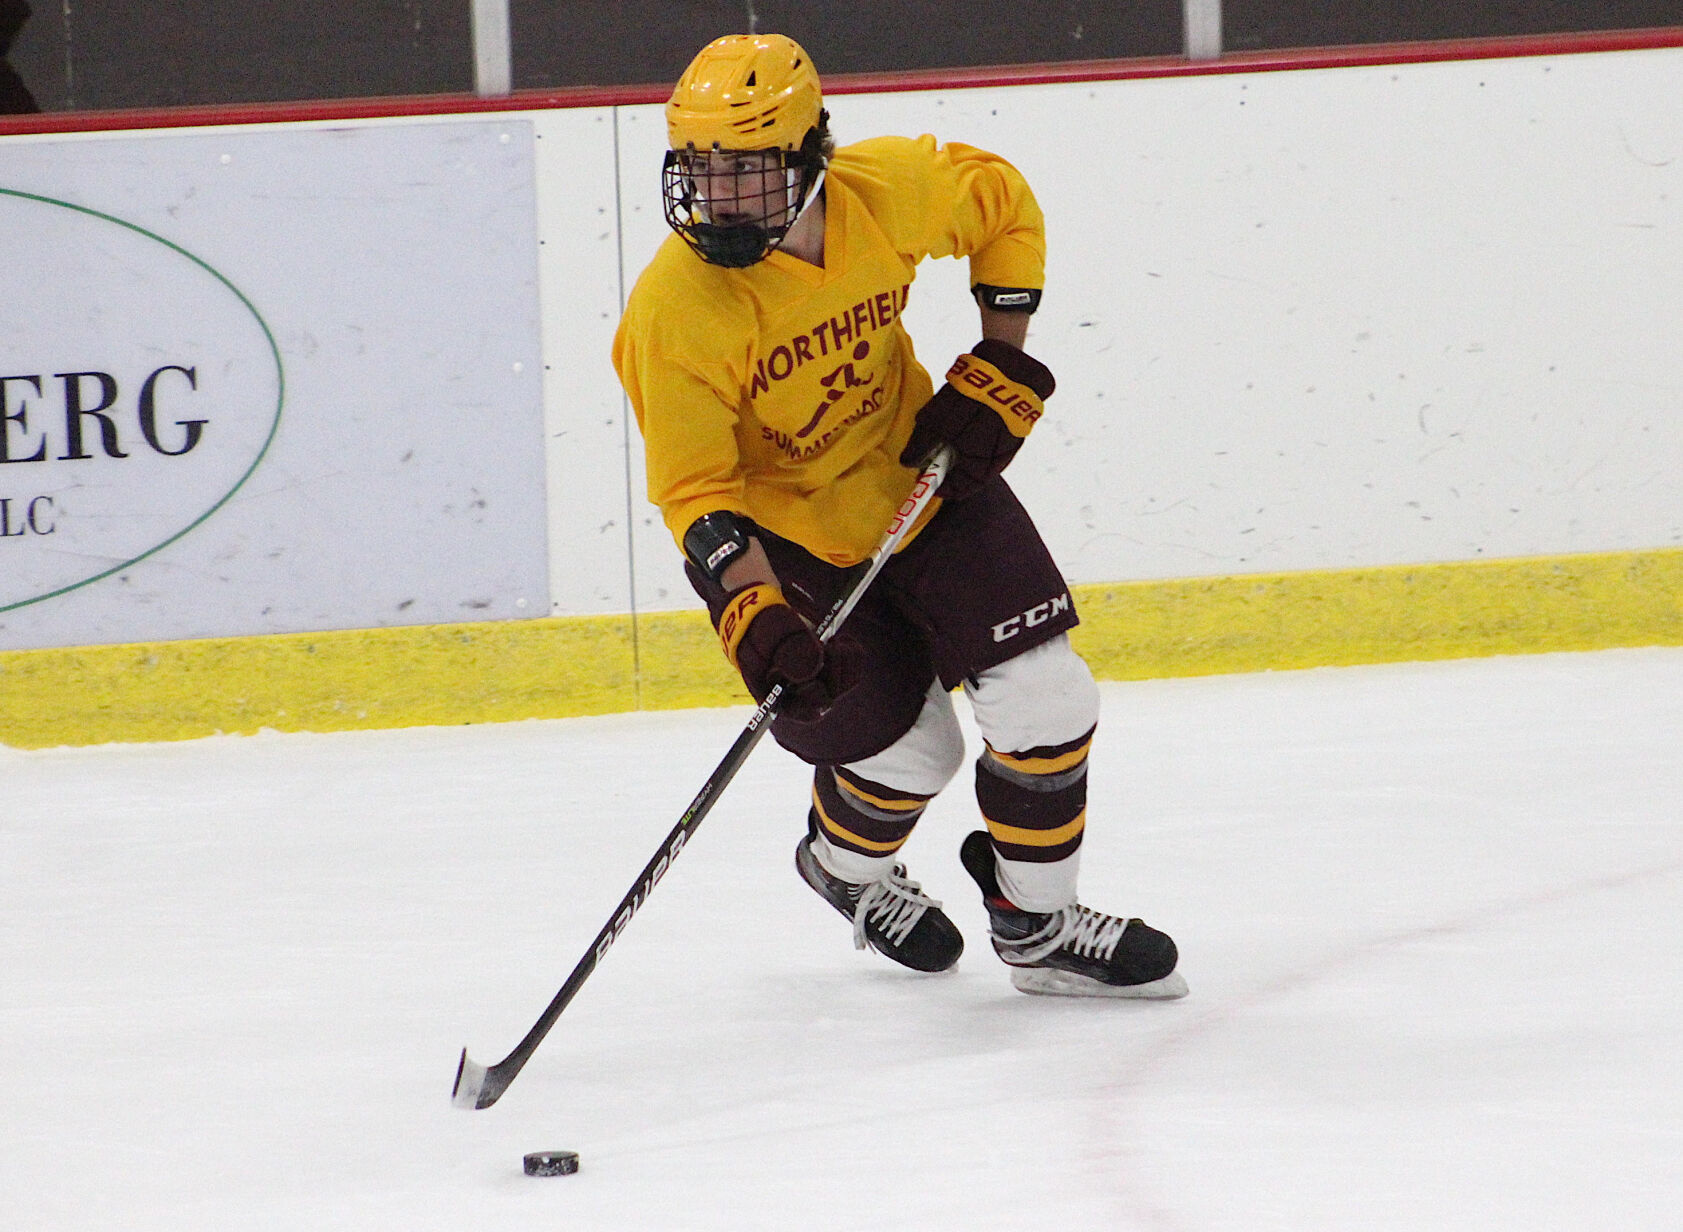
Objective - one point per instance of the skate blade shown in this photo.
(1050, 982)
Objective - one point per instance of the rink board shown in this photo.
(498, 671)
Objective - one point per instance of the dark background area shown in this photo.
(165, 53)
(102, 54)
(1256, 25)
(563, 43)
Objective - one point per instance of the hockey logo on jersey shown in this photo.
(832, 334)
(796, 451)
(836, 384)
(841, 344)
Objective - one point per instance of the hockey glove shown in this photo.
(771, 645)
(991, 399)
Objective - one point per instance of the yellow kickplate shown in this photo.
(558, 667)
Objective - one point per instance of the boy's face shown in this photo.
(736, 187)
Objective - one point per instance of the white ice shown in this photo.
(1429, 914)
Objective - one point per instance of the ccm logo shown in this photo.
(1039, 614)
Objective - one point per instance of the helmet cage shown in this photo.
(762, 203)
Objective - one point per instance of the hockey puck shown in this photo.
(552, 1163)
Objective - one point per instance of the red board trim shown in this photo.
(861, 83)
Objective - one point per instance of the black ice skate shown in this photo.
(1075, 951)
(891, 915)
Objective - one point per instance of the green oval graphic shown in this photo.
(120, 270)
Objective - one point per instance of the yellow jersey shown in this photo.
(784, 391)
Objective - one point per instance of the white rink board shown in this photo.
(1300, 320)
(585, 421)
(1328, 318)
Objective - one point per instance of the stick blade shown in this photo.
(470, 1084)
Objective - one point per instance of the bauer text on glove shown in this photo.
(771, 645)
(991, 399)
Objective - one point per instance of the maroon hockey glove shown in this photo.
(991, 399)
(771, 645)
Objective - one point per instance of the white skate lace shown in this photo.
(1086, 932)
(894, 903)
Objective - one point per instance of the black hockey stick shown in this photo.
(478, 1086)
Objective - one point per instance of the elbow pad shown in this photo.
(1006, 299)
(715, 540)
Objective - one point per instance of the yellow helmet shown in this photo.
(746, 92)
(755, 97)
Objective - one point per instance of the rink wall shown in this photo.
(307, 420)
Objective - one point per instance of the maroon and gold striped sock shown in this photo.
(865, 818)
(1035, 800)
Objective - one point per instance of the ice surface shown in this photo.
(1429, 914)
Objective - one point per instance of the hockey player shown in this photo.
(784, 417)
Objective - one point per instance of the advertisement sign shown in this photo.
(269, 380)
(126, 427)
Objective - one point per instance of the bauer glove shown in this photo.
(991, 399)
(771, 645)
